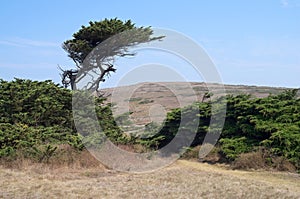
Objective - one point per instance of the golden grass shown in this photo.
(183, 179)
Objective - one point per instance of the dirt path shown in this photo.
(183, 179)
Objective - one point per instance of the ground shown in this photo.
(182, 179)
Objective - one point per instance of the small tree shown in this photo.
(87, 54)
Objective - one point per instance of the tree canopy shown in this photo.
(115, 37)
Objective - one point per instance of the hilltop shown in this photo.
(150, 101)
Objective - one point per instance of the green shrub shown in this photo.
(233, 147)
(286, 143)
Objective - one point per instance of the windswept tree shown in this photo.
(95, 47)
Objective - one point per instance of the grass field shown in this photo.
(183, 179)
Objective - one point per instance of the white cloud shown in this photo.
(284, 3)
(23, 42)
(9, 43)
(290, 3)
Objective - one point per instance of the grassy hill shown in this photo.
(151, 101)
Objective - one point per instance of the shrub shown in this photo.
(251, 160)
(262, 159)
(231, 148)
(286, 143)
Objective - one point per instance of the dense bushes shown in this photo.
(36, 119)
(35, 103)
(272, 122)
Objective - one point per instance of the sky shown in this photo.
(250, 42)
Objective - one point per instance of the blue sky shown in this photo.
(251, 42)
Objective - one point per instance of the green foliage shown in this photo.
(115, 36)
(108, 123)
(233, 147)
(33, 114)
(37, 117)
(88, 37)
(33, 142)
(149, 139)
(35, 103)
(272, 122)
(286, 143)
(195, 123)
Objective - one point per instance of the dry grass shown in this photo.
(65, 157)
(262, 159)
(183, 179)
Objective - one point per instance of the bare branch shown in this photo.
(77, 64)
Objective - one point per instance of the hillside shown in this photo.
(151, 101)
